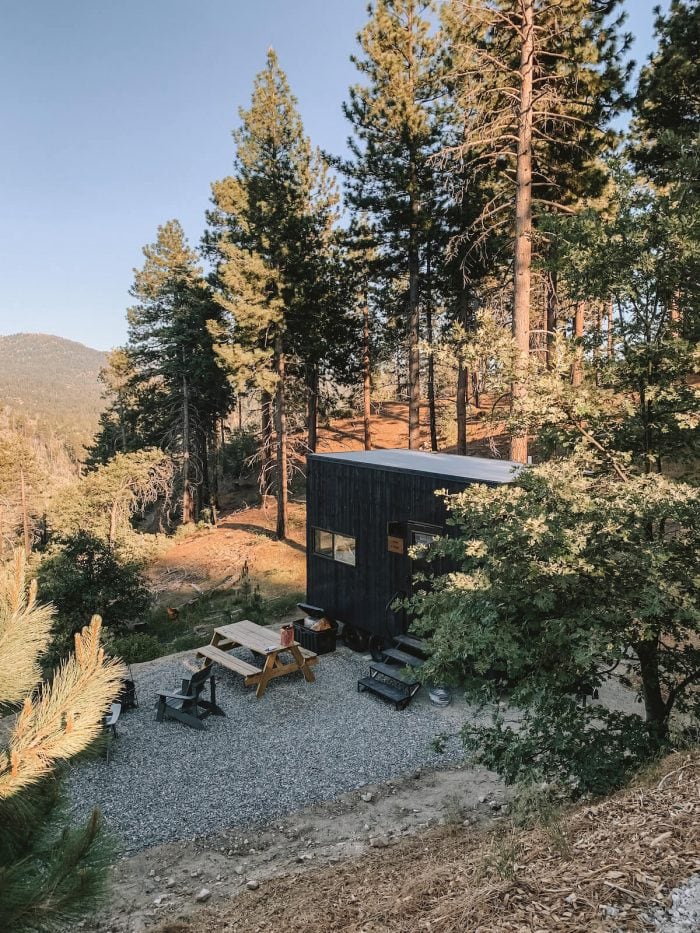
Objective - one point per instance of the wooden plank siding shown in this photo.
(361, 501)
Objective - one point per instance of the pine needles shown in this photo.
(48, 872)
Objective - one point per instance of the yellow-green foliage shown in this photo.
(60, 720)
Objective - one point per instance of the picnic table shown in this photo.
(263, 641)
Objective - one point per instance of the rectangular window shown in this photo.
(323, 543)
(423, 538)
(344, 549)
(334, 546)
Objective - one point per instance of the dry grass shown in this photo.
(621, 857)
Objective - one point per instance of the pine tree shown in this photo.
(396, 118)
(667, 104)
(181, 388)
(537, 82)
(270, 237)
(46, 877)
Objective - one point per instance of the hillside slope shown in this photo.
(52, 383)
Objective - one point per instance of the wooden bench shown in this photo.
(212, 653)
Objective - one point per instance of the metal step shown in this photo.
(410, 641)
(403, 657)
(400, 698)
(394, 673)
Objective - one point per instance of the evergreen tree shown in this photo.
(537, 82)
(396, 115)
(271, 238)
(667, 105)
(47, 875)
(182, 391)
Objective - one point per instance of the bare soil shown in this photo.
(163, 882)
(597, 867)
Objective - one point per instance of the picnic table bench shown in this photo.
(262, 641)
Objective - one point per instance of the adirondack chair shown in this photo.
(186, 705)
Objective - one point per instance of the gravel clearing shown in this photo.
(299, 745)
(683, 916)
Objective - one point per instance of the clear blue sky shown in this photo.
(116, 116)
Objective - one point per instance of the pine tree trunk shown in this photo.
(25, 514)
(312, 408)
(281, 426)
(577, 366)
(366, 377)
(462, 392)
(431, 359)
(596, 345)
(523, 226)
(216, 457)
(611, 340)
(413, 333)
(552, 299)
(187, 504)
(266, 431)
(462, 382)
(205, 487)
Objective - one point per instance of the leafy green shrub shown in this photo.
(585, 750)
(135, 647)
(84, 576)
(556, 580)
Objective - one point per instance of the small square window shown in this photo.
(344, 549)
(423, 538)
(323, 543)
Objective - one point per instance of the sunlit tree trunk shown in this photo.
(523, 226)
(432, 415)
(366, 376)
(577, 366)
(187, 503)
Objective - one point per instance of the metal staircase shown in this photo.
(392, 678)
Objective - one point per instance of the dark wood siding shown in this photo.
(360, 501)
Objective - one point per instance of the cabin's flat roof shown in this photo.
(446, 466)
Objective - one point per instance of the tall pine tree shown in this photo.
(537, 82)
(396, 118)
(175, 367)
(271, 239)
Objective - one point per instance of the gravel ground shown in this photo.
(683, 915)
(299, 745)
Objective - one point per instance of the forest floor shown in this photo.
(432, 851)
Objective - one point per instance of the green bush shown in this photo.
(135, 647)
(84, 576)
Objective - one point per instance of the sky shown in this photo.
(116, 115)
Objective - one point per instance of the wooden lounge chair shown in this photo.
(186, 705)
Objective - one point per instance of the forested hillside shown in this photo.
(51, 385)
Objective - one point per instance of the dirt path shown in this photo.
(167, 883)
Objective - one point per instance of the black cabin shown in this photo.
(364, 510)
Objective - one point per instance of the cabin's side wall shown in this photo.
(360, 501)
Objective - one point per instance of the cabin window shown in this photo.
(422, 538)
(323, 543)
(334, 546)
(344, 549)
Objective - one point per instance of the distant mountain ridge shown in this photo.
(52, 383)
